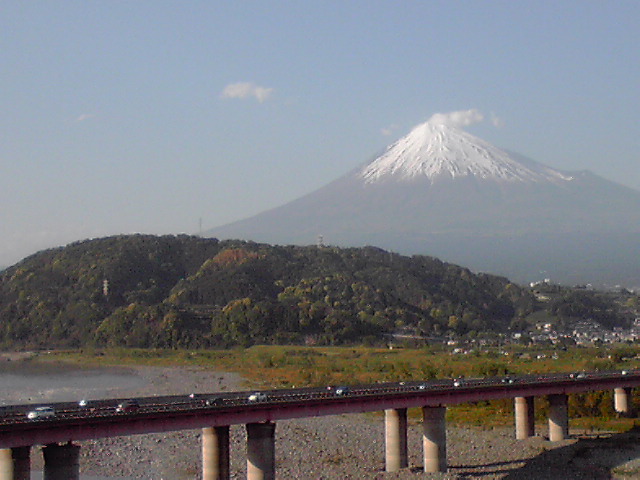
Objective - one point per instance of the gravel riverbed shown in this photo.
(349, 446)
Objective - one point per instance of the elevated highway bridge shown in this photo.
(66, 423)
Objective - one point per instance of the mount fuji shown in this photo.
(443, 192)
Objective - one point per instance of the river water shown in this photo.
(35, 382)
(42, 383)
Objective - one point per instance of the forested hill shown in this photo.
(183, 291)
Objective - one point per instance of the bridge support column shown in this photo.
(15, 463)
(558, 417)
(261, 461)
(622, 401)
(215, 453)
(434, 439)
(395, 422)
(525, 417)
(61, 462)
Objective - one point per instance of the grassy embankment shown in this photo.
(287, 366)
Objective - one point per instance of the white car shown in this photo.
(257, 397)
(41, 412)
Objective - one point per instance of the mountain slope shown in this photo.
(443, 192)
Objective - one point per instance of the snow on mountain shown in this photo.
(435, 150)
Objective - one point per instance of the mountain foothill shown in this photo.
(192, 292)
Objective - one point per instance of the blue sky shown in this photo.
(154, 116)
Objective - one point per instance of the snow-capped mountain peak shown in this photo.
(440, 191)
(436, 150)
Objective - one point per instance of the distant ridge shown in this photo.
(443, 192)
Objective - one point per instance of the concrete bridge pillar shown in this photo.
(61, 462)
(261, 461)
(215, 453)
(525, 417)
(622, 401)
(395, 422)
(434, 439)
(15, 463)
(558, 417)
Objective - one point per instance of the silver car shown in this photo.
(41, 412)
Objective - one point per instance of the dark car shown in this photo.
(341, 391)
(128, 406)
(213, 402)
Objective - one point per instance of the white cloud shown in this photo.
(461, 118)
(496, 121)
(84, 116)
(244, 90)
(386, 131)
